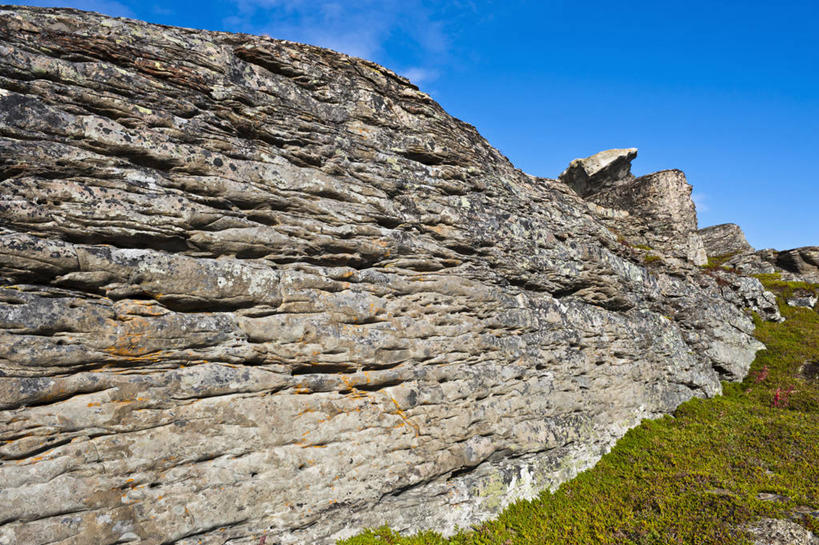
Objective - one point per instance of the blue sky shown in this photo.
(727, 91)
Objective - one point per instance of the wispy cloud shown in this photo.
(418, 75)
(370, 29)
(161, 10)
(700, 201)
(107, 7)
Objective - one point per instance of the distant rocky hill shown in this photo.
(728, 243)
(250, 287)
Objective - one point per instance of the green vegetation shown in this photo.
(693, 478)
(786, 289)
(651, 258)
(718, 261)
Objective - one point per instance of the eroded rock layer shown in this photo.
(657, 212)
(802, 262)
(253, 287)
(727, 243)
(724, 239)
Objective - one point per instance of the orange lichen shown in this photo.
(405, 418)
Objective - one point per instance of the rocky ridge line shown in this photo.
(727, 243)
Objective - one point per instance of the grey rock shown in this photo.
(798, 264)
(803, 298)
(724, 239)
(253, 287)
(727, 242)
(749, 264)
(661, 215)
(802, 262)
(748, 292)
(599, 172)
(767, 531)
(738, 264)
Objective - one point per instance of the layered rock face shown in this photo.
(802, 262)
(728, 241)
(250, 287)
(724, 239)
(662, 214)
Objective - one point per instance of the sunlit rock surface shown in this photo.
(727, 242)
(724, 239)
(254, 287)
(601, 171)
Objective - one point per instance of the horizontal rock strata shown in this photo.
(724, 239)
(802, 262)
(657, 212)
(728, 243)
(250, 287)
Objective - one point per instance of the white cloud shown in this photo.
(107, 7)
(161, 10)
(700, 201)
(418, 75)
(360, 29)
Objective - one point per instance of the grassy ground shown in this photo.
(718, 261)
(693, 478)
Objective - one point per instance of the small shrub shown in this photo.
(781, 397)
(761, 375)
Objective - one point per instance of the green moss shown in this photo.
(645, 247)
(493, 492)
(651, 258)
(693, 478)
(784, 288)
(769, 278)
(718, 261)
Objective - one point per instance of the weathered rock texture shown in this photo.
(250, 286)
(768, 531)
(724, 239)
(660, 212)
(728, 241)
(604, 170)
(803, 262)
(803, 298)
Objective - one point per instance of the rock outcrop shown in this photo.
(662, 215)
(724, 239)
(767, 531)
(250, 287)
(728, 243)
(803, 298)
(802, 262)
(666, 217)
(599, 172)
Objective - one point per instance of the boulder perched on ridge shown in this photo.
(599, 172)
